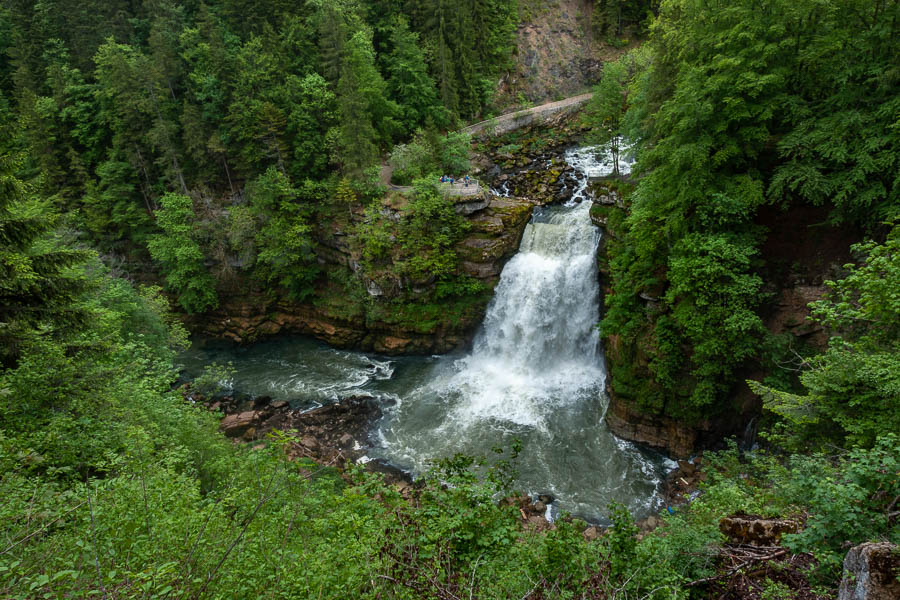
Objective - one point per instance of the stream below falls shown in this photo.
(535, 373)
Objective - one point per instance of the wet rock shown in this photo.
(656, 431)
(279, 405)
(262, 401)
(545, 498)
(467, 205)
(870, 572)
(688, 469)
(392, 345)
(405, 489)
(238, 424)
(310, 442)
(756, 531)
(540, 507)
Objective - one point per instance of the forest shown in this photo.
(155, 154)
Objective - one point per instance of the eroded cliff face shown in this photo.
(559, 51)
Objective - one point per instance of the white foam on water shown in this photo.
(536, 373)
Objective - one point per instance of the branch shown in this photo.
(737, 568)
(263, 500)
(94, 541)
(34, 533)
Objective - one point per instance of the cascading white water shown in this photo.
(535, 373)
(538, 346)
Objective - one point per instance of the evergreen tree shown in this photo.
(284, 238)
(367, 117)
(127, 111)
(39, 285)
(257, 115)
(312, 114)
(408, 81)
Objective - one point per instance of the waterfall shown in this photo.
(538, 346)
(535, 373)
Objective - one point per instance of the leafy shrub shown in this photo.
(179, 255)
(214, 379)
(429, 155)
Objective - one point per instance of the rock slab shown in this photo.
(756, 531)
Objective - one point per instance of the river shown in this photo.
(535, 373)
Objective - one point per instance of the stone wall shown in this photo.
(527, 117)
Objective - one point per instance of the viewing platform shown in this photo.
(457, 188)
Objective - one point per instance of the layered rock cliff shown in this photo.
(373, 321)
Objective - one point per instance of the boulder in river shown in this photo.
(238, 424)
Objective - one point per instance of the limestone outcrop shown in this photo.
(663, 433)
(248, 315)
(756, 531)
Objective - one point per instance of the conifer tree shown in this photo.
(367, 117)
(39, 285)
(408, 81)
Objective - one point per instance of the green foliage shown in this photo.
(38, 279)
(179, 255)
(852, 389)
(215, 379)
(729, 114)
(283, 236)
(432, 229)
(429, 155)
(420, 246)
(367, 117)
(845, 500)
(622, 538)
(848, 502)
(459, 511)
(607, 108)
(467, 45)
(714, 297)
(408, 82)
(412, 160)
(612, 17)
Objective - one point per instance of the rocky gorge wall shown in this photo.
(331, 316)
(799, 253)
(528, 169)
